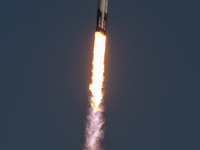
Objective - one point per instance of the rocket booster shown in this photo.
(102, 13)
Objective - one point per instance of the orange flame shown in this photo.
(98, 70)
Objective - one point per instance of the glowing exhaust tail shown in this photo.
(95, 120)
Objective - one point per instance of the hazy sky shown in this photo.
(152, 88)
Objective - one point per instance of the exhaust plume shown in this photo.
(94, 132)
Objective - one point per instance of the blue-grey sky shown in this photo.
(152, 97)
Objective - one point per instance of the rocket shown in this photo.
(102, 13)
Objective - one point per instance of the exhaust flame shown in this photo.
(95, 120)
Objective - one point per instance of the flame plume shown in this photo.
(95, 120)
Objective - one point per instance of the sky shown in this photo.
(152, 70)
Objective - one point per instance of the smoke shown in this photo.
(94, 133)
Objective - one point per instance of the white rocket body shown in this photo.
(102, 13)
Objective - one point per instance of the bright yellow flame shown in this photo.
(98, 71)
